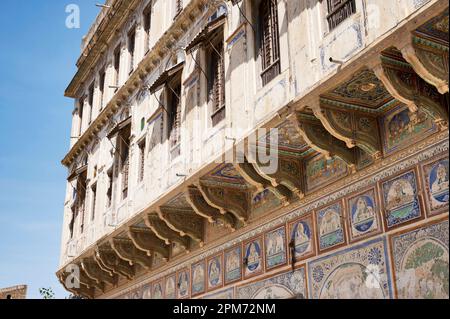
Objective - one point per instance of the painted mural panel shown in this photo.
(302, 237)
(224, 294)
(158, 290)
(360, 272)
(183, 284)
(215, 272)
(233, 265)
(436, 185)
(400, 200)
(330, 227)
(198, 278)
(421, 262)
(321, 171)
(287, 285)
(363, 215)
(253, 257)
(170, 290)
(263, 203)
(275, 243)
(147, 291)
(400, 128)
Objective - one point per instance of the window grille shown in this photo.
(270, 46)
(338, 11)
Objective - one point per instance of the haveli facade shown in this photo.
(16, 292)
(167, 90)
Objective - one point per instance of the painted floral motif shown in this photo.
(301, 237)
(198, 278)
(401, 202)
(183, 284)
(233, 270)
(253, 258)
(401, 127)
(437, 177)
(360, 272)
(284, 286)
(363, 215)
(421, 262)
(330, 226)
(170, 288)
(215, 272)
(275, 243)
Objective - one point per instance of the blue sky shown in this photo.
(37, 61)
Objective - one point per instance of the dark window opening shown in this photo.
(117, 65)
(81, 198)
(269, 40)
(338, 11)
(141, 161)
(91, 101)
(216, 79)
(174, 110)
(80, 114)
(101, 85)
(94, 201)
(110, 188)
(124, 149)
(131, 48)
(147, 25)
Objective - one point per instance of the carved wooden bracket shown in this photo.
(83, 290)
(353, 128)
(169, 236)
(251, 175)
(288, 174)
(93, 270)
(89, 282)
(318, 138)
(429, 61)
(112, 261)
(185, 222)
(234, 201)
(405, 85)
(145, 240)
(201, 207)
(125, 248)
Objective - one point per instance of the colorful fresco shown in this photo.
(183, 282)
(158, 290)
(363, 215)
(436, 188)
(233, 268)
(198, 278)
(224, 294)
(401, 202)
(263, 203)
(170, 291)
(302, 237)
(360, 272)
(253, 257)
(275, 243)
(421, 262)
(330, 226)
(320, 171)
(287, 285)
(215, 272)
(400, 128)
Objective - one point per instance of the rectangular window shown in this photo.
(109, 192)
(124, 138)
(91, 101)
(117, 66)
(94, 200)
(147, 26)
(101, 85)
(80, 114)
(338, 11)
(174, 92)
(131, 49)
(216, 80)
(141, 161)
(269, 40)
(81, 199)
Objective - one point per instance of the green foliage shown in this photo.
(424, 254)
(47, 293)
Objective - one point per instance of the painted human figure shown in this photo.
(441, 182)
(363, 210)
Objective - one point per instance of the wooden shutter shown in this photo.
(338, 11)
(270, 40)
(217, 88)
